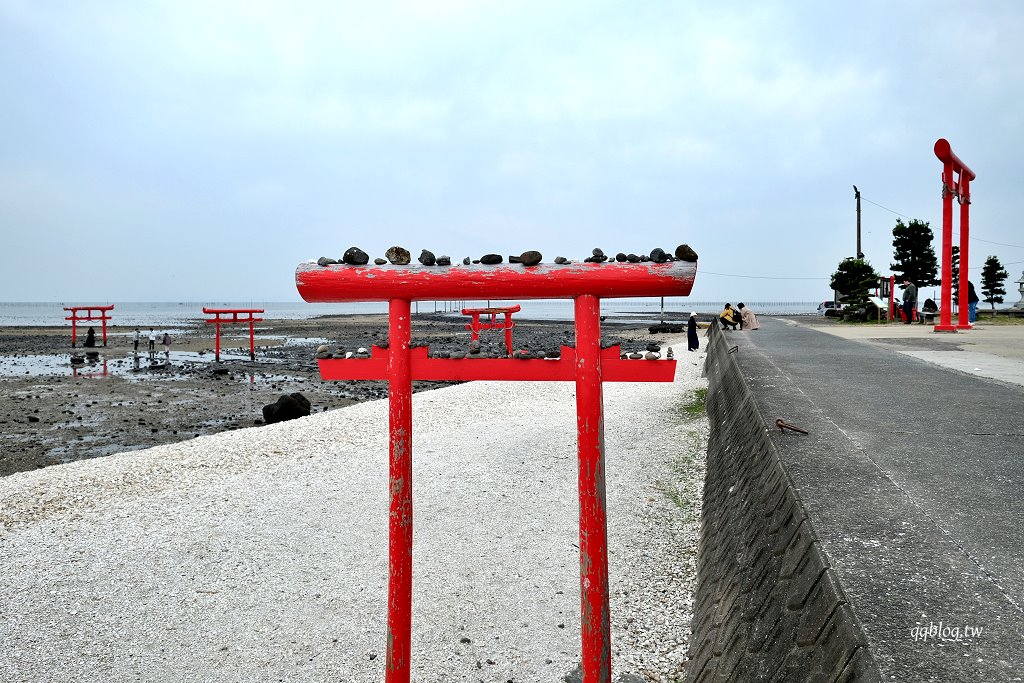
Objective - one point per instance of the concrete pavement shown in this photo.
(912, 475)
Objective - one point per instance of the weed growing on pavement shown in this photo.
(695, 407)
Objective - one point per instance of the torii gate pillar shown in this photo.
(961, 188)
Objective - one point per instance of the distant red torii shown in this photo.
(234, 319)
(75, 318)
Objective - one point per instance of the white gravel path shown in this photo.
(261, 554)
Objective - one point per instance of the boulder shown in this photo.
(354, 256)
(490, 259)
(287, 407)
(324, 261)
(685, 253)
(427, 258)
(399, 256)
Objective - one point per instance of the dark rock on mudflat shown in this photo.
(490, 259)
(287, 407)
(399, 256)
(324, 261)
(427, 258)
(685, 253)
(354, 256)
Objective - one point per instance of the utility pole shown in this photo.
(856, 194)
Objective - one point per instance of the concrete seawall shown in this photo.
(768, 604)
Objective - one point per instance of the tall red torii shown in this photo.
(587, 365)
(961, 188)
(75, 318)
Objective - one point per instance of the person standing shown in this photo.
(972, 302)
(167, 345)
(692, 343)
(152, 343)
(135, 340)
(909, 301)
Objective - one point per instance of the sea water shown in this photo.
(165, 314)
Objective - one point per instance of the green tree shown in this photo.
(913, 253)
(992, 277)
(854, 278)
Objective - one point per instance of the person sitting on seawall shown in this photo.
(729, 317)
(747, 318)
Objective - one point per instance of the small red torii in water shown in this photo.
(250, 318)
(586, 364)
(75, 318)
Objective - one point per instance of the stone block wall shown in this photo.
(768, 607)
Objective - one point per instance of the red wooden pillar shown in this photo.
(104, 326)
(946, 307)
(594, 613)
(399, 635)
(74, 327)
(964, 314)
(252, 339)
(508, 332)
(216, 343)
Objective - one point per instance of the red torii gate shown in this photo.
(75, 318)
(493, 313)
(587, 365)
(961, 188)
(234, 319)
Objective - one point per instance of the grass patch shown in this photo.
(1001, 320)
(695, 407)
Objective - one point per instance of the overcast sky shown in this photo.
(191, 151)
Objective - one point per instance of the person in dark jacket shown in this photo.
(909, 300)
(692, 343)
(972, 302)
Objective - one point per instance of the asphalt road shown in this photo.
(912, 474)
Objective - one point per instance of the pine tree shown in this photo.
(992, 277)
(913, 253)
(854, 278)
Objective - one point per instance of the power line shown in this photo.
(972, 238)
(902, 215)
(1002, 244)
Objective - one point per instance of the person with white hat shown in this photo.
(692, 343)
